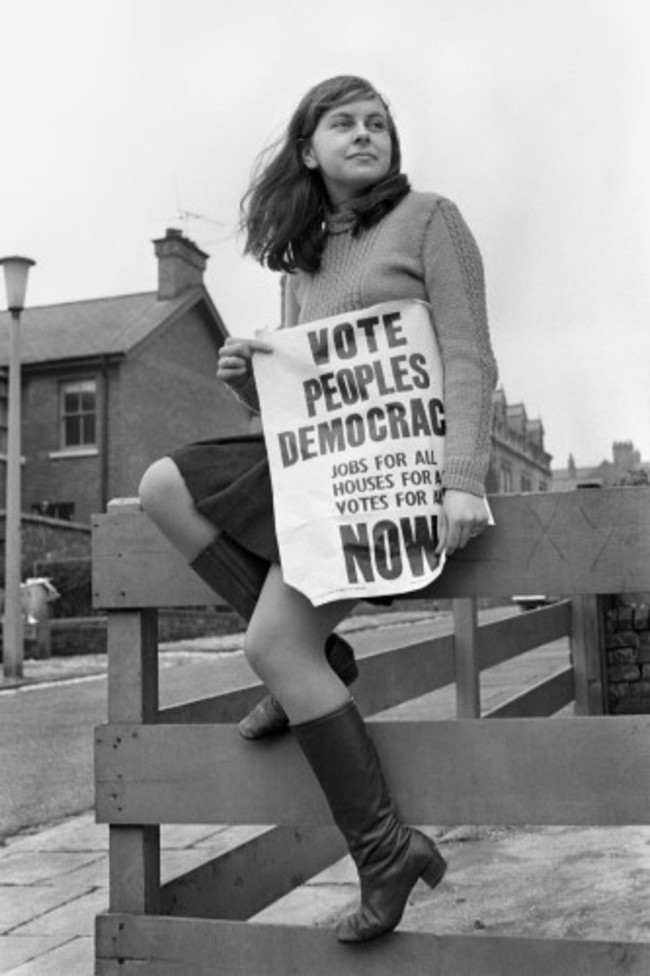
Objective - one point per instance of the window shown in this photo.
(55, 510)
(505, 478)
(78, 414)
(526, 483)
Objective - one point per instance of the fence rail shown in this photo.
(187, 764)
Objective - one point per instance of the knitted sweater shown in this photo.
(423, 250)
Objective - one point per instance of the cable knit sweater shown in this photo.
(423, 250)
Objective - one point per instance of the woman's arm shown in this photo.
(456, 288)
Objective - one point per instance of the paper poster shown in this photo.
(353, 418)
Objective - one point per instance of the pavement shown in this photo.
(502, 880)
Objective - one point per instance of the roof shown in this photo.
(97, 327)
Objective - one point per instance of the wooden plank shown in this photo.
(495, 771)
(588, 654)
(158, 946)
(545, 698)
(132, 646)
(397, 674)
(134, 869)
(394, 675)
(133, 565)
(388, 677)
(468, 687)
(134, 852)
(502, 640)
(243, 881)
(225, 708)
(555, 543)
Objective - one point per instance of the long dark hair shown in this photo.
(283, 210)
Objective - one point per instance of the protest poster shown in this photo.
(353, 418)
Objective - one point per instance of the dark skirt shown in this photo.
(229, 480)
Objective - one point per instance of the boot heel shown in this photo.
(435, 869)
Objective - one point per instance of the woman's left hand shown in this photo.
(462, 517)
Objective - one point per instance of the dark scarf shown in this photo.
(372, 206)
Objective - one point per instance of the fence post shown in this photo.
(134, 852)
(587, 654)
(468, 689)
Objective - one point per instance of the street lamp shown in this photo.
(16, 270)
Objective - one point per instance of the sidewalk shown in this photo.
(530, 881)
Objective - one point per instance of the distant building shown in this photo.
(518, 461)
(626, 467)
(110, 384)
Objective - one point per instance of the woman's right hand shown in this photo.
(235, 357)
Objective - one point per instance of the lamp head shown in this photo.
(16, 270)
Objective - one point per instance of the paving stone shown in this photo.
(32, 867)
(75, 917)
(542, 882)
(94, 874)
(178, 836)
(318, 906)
(19, 905)
(233, 836)
(77, 834)
(18, 949)
(74, 958)
(176, 863)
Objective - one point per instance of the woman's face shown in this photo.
(351, 147)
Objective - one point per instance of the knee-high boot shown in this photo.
(238, 576)
(390, 857)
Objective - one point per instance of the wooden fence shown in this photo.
(188, 764)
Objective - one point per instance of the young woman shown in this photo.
(331, 208)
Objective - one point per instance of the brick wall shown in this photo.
(45, 538)
(168, 395)
(627, 648)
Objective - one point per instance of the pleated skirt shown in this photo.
(229, 480)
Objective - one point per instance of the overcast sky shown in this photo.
(120, 118)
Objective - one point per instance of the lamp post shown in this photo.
(16, 270)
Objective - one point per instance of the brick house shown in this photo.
(110, 384)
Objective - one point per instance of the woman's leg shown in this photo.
(284, 646)
(233, 572)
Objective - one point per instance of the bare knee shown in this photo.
(261, 651)
(157, 488)
(168, 503)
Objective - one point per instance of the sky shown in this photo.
(121, 118)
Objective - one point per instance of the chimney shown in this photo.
(180, 264)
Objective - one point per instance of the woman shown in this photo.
(332, 210)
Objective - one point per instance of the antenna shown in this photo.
(185, 216)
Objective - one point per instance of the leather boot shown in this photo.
(390, 857)
(238, 576)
